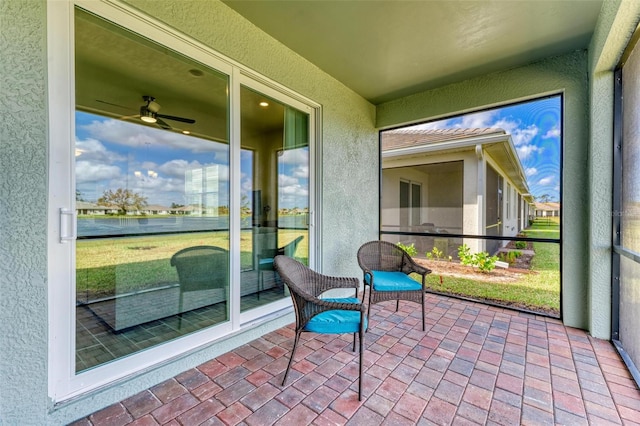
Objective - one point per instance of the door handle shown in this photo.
(68, 230)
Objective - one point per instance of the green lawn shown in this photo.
(538, 291)
(110, 266)
(105, 267)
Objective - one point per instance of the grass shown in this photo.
(110, 266)
(538, 291)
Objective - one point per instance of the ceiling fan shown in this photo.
(149, 114)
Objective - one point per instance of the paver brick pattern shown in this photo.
(474, 364)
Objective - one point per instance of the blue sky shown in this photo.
(112, 154)
(535, 129)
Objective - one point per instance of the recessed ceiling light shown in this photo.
(196, 72)
(264, 104)
(186, 132)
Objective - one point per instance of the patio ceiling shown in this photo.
(388, 49)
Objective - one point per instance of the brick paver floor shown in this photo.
(475, 364)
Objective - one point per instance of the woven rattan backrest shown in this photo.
(381, 256)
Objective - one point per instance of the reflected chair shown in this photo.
(201, 268)
(265, 259)
(386, 268)
(322, 315)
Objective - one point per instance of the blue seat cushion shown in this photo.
(337, 321)
(393, 281)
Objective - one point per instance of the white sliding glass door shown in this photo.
(176, 177)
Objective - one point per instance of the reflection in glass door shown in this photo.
(277, 186)
(152, 194)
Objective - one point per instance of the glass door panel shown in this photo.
(152, 194)
(275, 181)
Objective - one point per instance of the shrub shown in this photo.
(410, 249)
(482, 260)
(510, 256)
(435, 254)
(464, 253)
(521, 245)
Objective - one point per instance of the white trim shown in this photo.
(61, 100)
(442, 146)
(64, 383)
(235, 177)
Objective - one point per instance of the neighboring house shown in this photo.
(454, 181)
(550, 209)
(156, 209)
(87, 208)
(227, 63)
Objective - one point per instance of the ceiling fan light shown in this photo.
(147, 116)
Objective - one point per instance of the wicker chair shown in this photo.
(326, 316)
(201, 268)
(265, 262)
(386, 268)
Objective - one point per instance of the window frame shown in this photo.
(64, 382)
(619, 251)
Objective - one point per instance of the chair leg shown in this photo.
(354, 341)
(397, 305)
(260, 283)
(361, 366)
(368, 308)
(293, 353)
(423, 326)
(180, 310)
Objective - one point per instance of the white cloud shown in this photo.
(135, 135)
(524, 136)
(552, 133)
(301, 172)
(525, 151)
(295, 156)
(177, 168)
(531, 171)
(509, 126)
(285, 181)
(88, 171)
(478, 120)
(93, 150)
(546, 181)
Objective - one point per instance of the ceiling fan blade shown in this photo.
(174, 118)
(162, 124)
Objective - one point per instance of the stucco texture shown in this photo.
(23, 207)
(348, 187)
(349, 177)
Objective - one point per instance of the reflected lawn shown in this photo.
(109, 266)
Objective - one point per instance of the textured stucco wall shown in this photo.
(23, 207)
(566, 74)
(349, 189)
(615, 26)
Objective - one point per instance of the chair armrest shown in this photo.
(338, 305)
(329, 282)
(410, 266)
